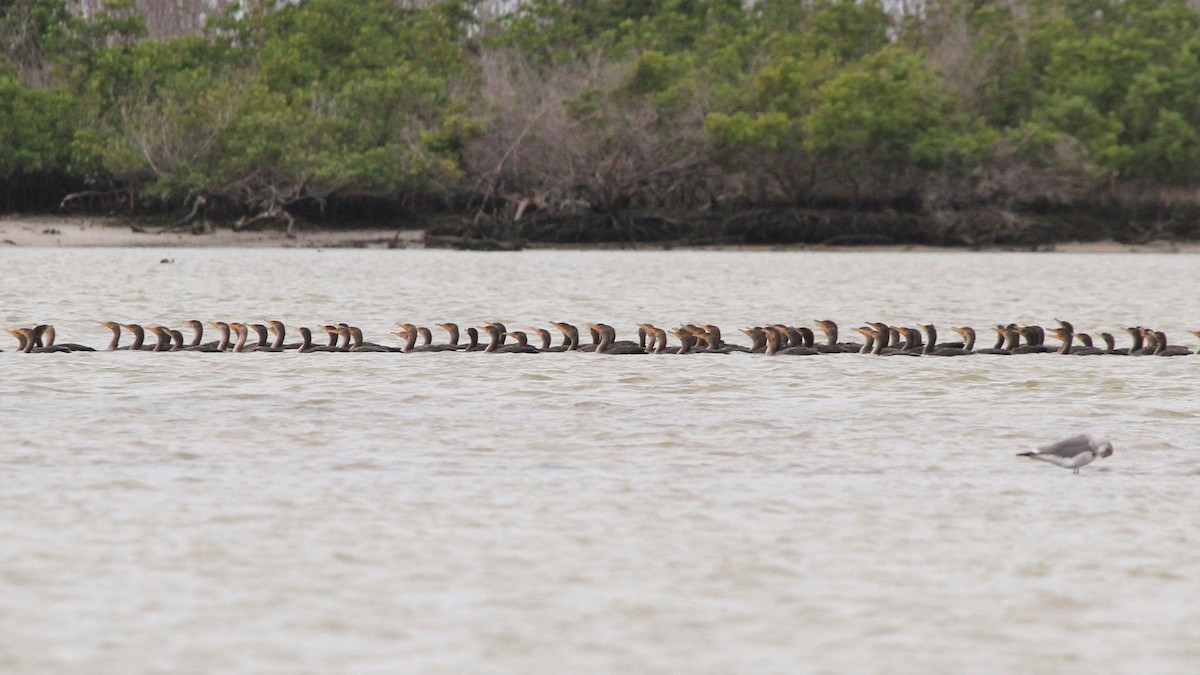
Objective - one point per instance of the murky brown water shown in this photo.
(574, 512)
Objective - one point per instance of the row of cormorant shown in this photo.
(775, 339)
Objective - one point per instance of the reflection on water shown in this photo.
(385, 512)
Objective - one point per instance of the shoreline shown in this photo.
(106, 232)
(49, 231)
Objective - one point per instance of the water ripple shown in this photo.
(379, 512)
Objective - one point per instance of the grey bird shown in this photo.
(1073, 452)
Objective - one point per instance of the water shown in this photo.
(573, 512)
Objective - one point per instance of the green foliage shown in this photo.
(775, 100)
(890, 110)
(369, 88)
(847, 30)
(1118, 79)
(32, 126)
(31, 30)
(155, 108)
(791, 99)
(885, 114)
(549, 31)
(83, 49)
(300, 102)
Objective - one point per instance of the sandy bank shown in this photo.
(83, 231)
(78, 231)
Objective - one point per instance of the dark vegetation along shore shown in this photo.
(841, 122)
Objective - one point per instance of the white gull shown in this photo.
(1073, 452)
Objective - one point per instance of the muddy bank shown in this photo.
(974, 229)
(767, 228)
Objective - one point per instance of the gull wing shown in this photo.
(1068, 447)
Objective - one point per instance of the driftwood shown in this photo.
(275, 212)
(118, 196)
(196, 220)
(199, 209)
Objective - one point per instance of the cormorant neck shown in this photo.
(1067, 340)
(1011, 339)
(868, 344)
(930, 339)
(772, 342)
(685, 342)
(881, 340)
(831, 334)
(1152, 342)
(605, 341)
(651, 342)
